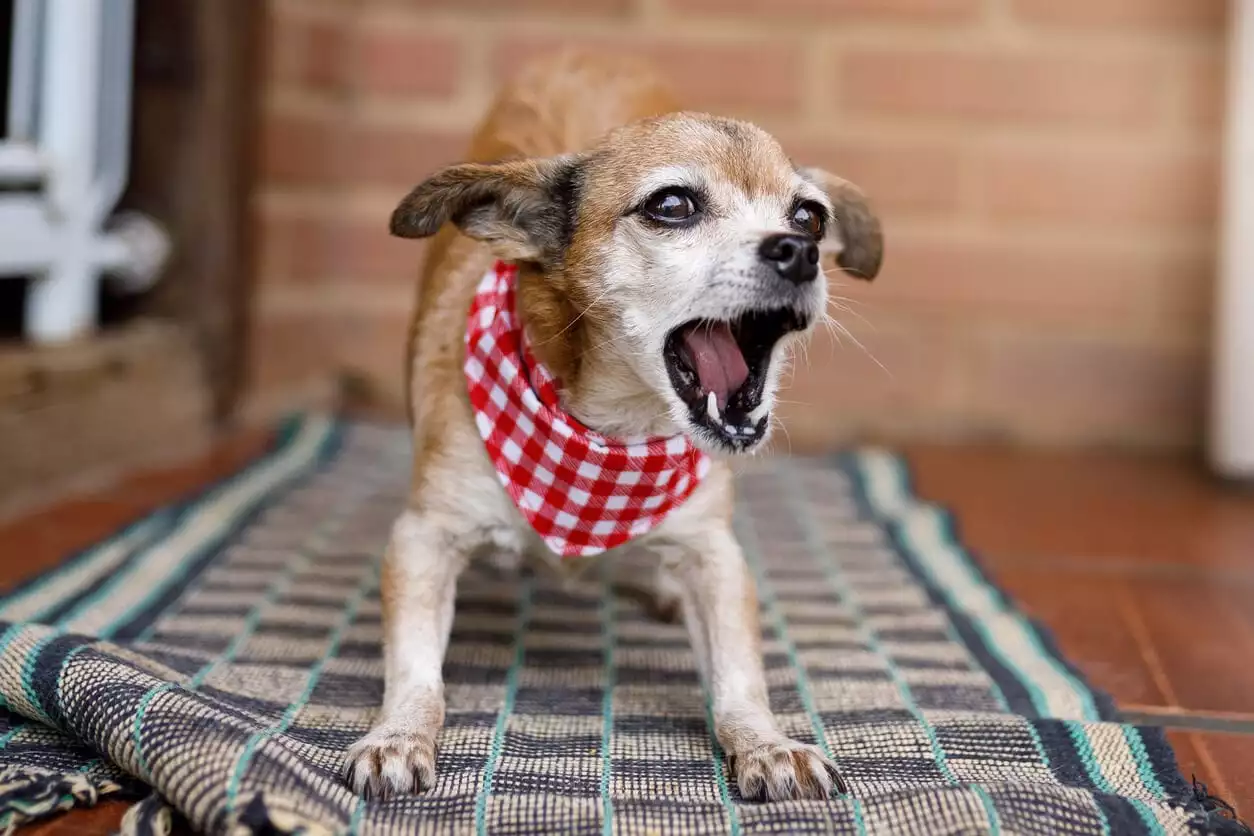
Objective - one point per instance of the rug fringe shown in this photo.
(1218, 812)
(30, 795)
(151, 817)
(260, 817)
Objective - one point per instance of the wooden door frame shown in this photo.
(198, 82)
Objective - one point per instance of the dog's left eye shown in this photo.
(810, 219)
(671, 207)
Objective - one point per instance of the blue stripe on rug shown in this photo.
(884, 484)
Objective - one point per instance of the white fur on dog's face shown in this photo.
(659, 279)
(653, 279)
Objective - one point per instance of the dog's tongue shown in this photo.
(720, 366)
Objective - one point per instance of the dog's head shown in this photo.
(688, 250)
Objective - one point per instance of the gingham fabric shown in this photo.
(225, 652)
(582, 492)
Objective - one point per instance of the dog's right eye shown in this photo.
(673, 207)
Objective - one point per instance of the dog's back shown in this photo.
(566, 103)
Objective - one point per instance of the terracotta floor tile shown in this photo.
(22, 543)
(1084, 614)
(37, 542)
(1203, 634)
(101, 820)
(1151, 642)
(1080, 510)
(158, 486)
(32, 546)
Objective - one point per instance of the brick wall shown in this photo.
(1047, 171)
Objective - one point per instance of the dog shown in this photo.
(612, 280)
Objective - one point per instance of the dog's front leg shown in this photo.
(720, 608)
(417, 592)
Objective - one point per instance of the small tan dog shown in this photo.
(666, 265)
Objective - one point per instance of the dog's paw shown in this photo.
(386, 764)
(785, 770)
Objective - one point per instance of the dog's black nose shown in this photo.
(794, 257)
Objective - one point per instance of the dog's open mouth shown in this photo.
(718, 368)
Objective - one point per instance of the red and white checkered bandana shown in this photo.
(582, 492)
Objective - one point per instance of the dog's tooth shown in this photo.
(756, 415)
(711, 407)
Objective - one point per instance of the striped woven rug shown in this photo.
(215, 659)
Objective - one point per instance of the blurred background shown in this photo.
(1048, 172)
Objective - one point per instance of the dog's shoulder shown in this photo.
(440, 415)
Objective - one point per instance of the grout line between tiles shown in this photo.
(1145, 644)
(1188, 720)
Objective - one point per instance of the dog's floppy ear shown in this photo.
(524, 208)
(855, 240)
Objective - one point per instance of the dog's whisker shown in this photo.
(843, 330)
(837, 303)
(607, 343)
(578, 316)
(775, 421)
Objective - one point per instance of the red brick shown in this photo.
(760, 76)
(1084, 188)
(312, 250)
(1011, 87)
(299, 347)
(299, 150)
(367, 252)
(287, 349)
(398, 157)
(374, 348)
(1049, 283)
(900, 364)
(1051, 388)
(1203, 84)
(400, 63)
(1184, 298)
(309, 53)
(519, 8)
(902, 382)
(904, 11)
(1123, 14)
(289, 246)
(898, 178)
